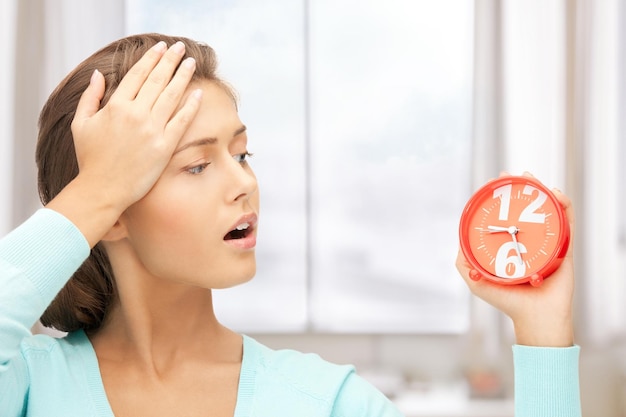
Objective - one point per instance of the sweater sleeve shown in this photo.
(546, 381)
(36, 260)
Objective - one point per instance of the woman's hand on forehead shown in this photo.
(123, 148)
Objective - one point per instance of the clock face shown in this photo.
(513, 230)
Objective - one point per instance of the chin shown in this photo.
(234, 280)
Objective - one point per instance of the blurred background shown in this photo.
(371, 123)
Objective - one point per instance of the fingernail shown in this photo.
(189, 62)
(178, 47)
(197, 94)
(94, 75)
(160, 46)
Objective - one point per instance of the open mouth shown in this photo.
(241, 231)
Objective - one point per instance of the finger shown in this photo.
(464, 269)
(169, 100)
(161, 75)
(567, 205)
(177, 126)
(462, 266)
(133, 81)
(480, 288)
(492, 293)
(89, 102)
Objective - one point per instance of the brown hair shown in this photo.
(84, 301)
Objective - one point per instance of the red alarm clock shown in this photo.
(513, 230)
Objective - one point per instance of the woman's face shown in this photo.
(198, 224)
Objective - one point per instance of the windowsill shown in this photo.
(419, 405)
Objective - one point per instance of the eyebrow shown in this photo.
(207, 141)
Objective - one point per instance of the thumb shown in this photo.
(89, 102)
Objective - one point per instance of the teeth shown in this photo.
(242, 226)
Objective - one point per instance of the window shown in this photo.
(359, 115)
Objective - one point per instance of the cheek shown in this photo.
(178, 215)
(155, 217)
(172, 238)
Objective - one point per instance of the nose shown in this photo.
(243, 181)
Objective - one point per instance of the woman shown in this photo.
(143, 159)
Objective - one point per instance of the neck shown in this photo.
(156, 323)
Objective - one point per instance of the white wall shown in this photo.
(7, 32)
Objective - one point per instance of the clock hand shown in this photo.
(513, 231)
(495, 229)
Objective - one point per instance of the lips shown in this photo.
(241, 233)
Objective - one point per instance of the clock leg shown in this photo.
(474, 275)
(536, 280)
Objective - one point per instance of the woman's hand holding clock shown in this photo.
(542, 315)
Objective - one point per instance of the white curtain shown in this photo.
(49, 39)
(549, 98)
(8, 10)
(598, 123)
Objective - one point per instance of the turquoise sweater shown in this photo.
(45, 376)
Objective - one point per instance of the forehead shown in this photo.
(218, 109)
(214, 93)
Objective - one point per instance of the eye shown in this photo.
(242, 158)
(195, 170)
